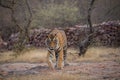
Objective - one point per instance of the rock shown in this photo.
(105, 34)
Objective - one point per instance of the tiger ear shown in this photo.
(55, 34)
(47, 36)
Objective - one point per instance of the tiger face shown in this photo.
(52, 42)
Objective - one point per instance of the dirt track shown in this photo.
(98, 70)
(98, 64)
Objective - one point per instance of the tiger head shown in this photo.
(52, 42)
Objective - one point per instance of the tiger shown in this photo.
(56, 43)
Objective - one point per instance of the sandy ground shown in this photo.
(97, 70)
(92, 70)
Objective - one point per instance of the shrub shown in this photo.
(56, 15)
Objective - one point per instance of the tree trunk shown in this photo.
(83, 45)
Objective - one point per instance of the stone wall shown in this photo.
(105, 34)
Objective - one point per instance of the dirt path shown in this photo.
(99, 70)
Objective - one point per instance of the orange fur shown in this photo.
(57, 46)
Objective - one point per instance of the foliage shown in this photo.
(56, 15)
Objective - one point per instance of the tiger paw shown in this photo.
(59, 68)
(66, 64)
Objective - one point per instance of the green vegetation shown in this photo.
(53, 15)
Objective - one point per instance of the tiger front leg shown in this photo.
(49, 60)
(60, 61)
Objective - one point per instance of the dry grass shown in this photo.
(34, 55)
(51, 76)
(98, 54)
(39, 55)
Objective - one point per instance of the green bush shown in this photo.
(56, 15)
